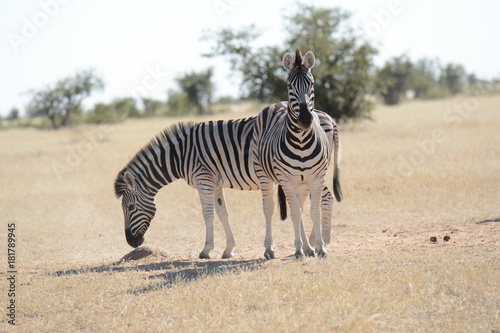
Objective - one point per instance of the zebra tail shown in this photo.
(282, 202)
(337, 189)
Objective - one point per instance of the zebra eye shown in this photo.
(131, 207)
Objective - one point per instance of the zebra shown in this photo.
(209, 156)
(292, 146)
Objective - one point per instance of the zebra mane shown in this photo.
(298, 58)
(174, 130)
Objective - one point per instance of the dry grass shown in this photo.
(383, 274)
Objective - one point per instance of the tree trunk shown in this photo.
(65, 118)
(53, 121)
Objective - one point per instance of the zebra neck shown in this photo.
(158, 165)
(293, 132)
(292, 122)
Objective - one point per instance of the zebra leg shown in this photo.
(266, 186)
(221, 210)
(306, 247)
(207, 203)
(326, 218)
(296, 216)
(316, 190)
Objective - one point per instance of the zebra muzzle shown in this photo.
(305, 116)
(134, 241)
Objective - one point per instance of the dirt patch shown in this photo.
(141, 253)
(347, 242)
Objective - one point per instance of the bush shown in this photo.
(104, 114)
(177, 104)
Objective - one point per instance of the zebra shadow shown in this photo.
(179, 272)
(166, 273)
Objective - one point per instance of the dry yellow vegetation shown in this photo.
(418, 170)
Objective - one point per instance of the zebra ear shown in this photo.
(129, 180)
(288, 61)
(309, 60)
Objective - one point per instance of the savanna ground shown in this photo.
(419, 170)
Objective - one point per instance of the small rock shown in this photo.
(446, 238)
(433, 239)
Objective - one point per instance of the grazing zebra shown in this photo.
(292, 146)
(209, 156)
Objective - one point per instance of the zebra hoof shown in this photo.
(227, 256)
(269, 255)
(311, 253)
(204, 256)
(322, 254)
(299, 255)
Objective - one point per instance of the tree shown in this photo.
(151, 106)
(262, 75)
(102, 113)
(425, 77)
(472, 79)
(65, 98)
(452, 77)
(394, 79)
(198, 88)
(118, 110)
(344, 60)
(177, 103)
(13, 114)
(126, 107)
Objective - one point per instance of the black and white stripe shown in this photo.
(293, 144)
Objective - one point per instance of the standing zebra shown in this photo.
(292, 146)
(209, 156)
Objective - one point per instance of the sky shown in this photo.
(140, 47)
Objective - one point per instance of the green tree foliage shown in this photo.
(126, 107)
(63, 100)
(103, 113)
(198, 88)
(344, 60)
(177, 103)
(151, 106)
(425, 77)
(116, 111)
(394, 79)
(453, 77)
(263, 77)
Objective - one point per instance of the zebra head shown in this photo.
(300, 84)
(138, 207)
